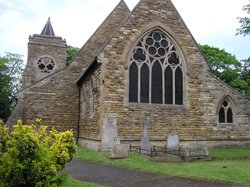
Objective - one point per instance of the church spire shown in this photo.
(48, 30)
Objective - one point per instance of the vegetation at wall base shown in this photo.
(32, 155)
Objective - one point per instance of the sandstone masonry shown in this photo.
(99, 79)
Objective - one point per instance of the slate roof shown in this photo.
(48, 30)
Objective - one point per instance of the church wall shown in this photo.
(89, 129)
(53, 99)
(58, 101)
(197, 119)
(214, 93)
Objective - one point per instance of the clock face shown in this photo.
(46, 64)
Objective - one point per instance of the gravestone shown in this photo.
(145, 144)
(195, 149)
(118, 151)
(173, 142)
(109, 133)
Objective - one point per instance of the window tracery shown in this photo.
(45, 64)
(226, 112)
(155, 71)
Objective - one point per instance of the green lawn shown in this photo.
(76, 183)
(229, 166)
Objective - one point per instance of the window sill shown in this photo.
(155, 105)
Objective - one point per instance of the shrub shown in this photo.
(32, 155)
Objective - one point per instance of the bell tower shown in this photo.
(46, 54)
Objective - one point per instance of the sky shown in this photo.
(212, 22)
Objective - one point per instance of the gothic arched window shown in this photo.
(155, 71)
(226, 112)
(83, 99)
(92, 96)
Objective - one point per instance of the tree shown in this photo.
(226, 67)
(71, 51)
(245, 22)
(223, 65)
(5, 83)
(11, 68)
(245, 74)
(32, 155)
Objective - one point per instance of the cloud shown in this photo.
(211, 22)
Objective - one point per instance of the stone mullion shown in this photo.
(150, 81)
(173, 85)
(139, 83)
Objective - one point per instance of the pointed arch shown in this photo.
(156, 70)
(133, 83)
(168, 85)
(178, 87)
(156, 83)
(226, 110)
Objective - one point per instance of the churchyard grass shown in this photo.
(76, 183)
(230, 154)
(227, 165)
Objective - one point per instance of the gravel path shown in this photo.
(111, 176)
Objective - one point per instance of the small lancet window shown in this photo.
(226, 112)
(92, 96)
(83, 99)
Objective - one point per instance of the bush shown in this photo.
(32, 155)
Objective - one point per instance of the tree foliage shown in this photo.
(11, 68)
(31, 155)
(245, 75)
(71, 51)
(227, 68)
(245, 22)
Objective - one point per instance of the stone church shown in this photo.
(139, 65)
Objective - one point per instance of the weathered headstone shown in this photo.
(145, 144)
(109, 133)
(195, 149)
(119, 151)
(173, 142)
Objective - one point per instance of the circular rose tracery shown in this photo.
(46, 64)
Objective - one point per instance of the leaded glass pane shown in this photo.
(225, 103)
(156, 83)
(149, 41)
(164, 43)
(133, 83)
(222, 115)
(173, 59)
(229, 116)
(144, 84)
(157, 36)
(168, 86)
(153, 53)
(178, 87)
